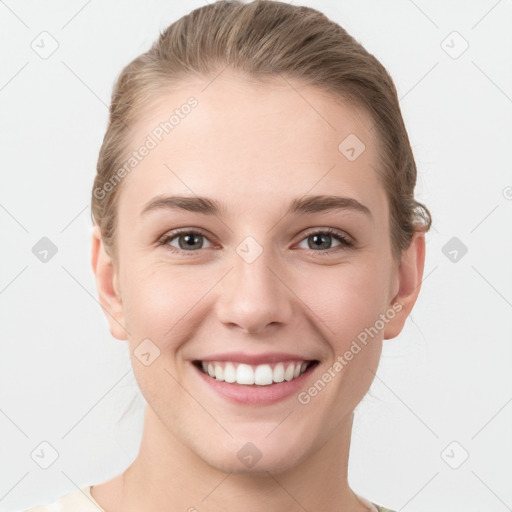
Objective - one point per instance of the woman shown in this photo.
(255, 240)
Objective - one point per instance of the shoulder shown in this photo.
(80, 500)
(383, 509)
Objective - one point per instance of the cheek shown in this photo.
(346, 298)
(155, 306)
(166, 303)
(153, 300)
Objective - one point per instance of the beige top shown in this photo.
(81, 500)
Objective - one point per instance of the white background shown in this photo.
(447, 377)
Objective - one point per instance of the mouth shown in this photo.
(248, 375)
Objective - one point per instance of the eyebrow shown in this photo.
(304, 205)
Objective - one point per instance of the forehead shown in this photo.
(244, 140)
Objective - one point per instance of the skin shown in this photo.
(253, 148)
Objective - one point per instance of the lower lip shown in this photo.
(256, 395)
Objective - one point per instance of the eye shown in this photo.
(322, 239)
(187, 239)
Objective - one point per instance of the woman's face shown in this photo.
(256, 278)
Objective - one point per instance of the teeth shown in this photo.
(244, 374)
(219, 372)
(288, 374)
(278, 375)
(230, 373)
(261, 375)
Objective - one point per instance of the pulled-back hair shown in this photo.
(264, 39)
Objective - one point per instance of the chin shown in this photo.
(253, 457)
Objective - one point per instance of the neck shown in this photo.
(167, 472)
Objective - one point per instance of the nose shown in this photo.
(254, 295)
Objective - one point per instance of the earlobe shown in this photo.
(410, 275)
(107, 285)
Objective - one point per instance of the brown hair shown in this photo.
(262, 39)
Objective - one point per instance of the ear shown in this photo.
(409, 277)
(107, 284)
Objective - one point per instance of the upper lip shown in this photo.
(255, 359)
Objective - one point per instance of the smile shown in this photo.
(254, 375)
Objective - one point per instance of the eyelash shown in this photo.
(345, 242)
